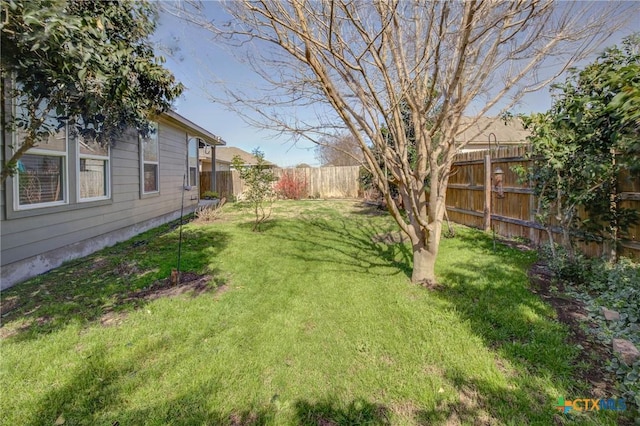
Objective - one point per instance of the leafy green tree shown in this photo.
(582, 144)
(88, 64)
(259, 179)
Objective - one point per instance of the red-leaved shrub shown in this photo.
(290, 186)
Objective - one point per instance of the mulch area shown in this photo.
(191, 283)
(573, 314)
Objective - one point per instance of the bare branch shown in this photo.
(400, 76)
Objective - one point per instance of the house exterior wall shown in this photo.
(222, 167)
(205, 165)
(37, 240)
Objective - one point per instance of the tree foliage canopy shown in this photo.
(584, 142)
(88, 64)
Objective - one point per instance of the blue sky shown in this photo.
(196, 61)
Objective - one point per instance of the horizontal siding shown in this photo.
(4, 135)
(32, 236)
(123, 191)
(125, 167)
(2, 202)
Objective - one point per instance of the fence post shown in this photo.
(213, 186)
(487, 193)
(532, 214)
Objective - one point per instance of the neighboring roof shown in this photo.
(485, 128)
(194, 129)
(226, 154)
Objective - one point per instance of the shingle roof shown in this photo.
(225, 155)
(486, 127)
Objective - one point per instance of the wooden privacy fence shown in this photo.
(205, 183)
(473, 199)
(321, 182)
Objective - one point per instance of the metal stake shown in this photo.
(184, 182)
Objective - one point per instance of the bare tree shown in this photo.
(389, 64)
(339, 150)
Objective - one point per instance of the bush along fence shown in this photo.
(485, 192)
(307, 182)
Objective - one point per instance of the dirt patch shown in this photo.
(370, 208)
(189, 283)
(112, 318)
(431, 285)
(309, 327)
(6, 332)
(514, 243)
(321, 421)
(573, 313)
(244, 419)
(469, 407)
(8, 304)
(433, 370)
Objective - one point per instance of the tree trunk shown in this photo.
(425, 255)
(567, 243)
(552, 243)
(424, 263)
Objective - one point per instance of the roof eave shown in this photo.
(194, 129)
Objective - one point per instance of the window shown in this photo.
(41, 177)
(93, 170)
(150, 161)
(193, 162)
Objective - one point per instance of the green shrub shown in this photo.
(210, 194)
(258, 179)
(576, 272)
(598, 283)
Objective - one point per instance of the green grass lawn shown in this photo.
(315, 324)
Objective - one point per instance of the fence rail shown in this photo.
(472, 200)
(321, 182)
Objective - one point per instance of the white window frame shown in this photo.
(189, 182)
(107, 166)
(143, 162)
(64, 174)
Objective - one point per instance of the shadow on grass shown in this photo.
(491, 294)
(357, 412)
(111, 281)
(488, 290)
(482, 403)
(265, 226)
(86, 399)
(96, 396)
(346, 243)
